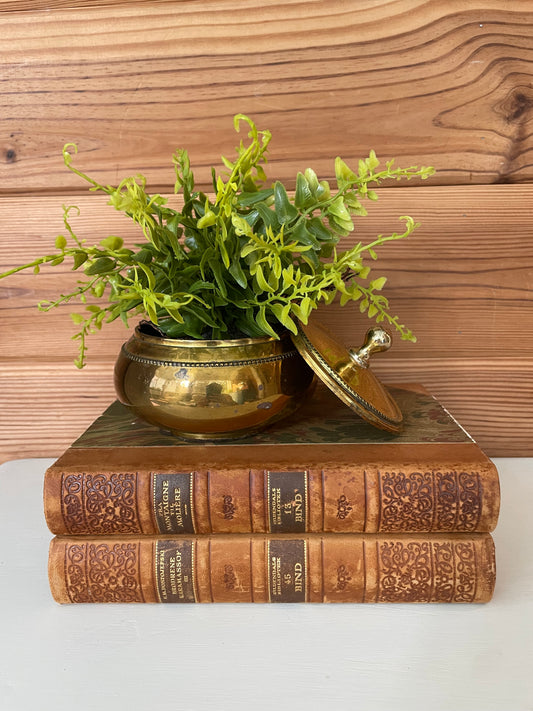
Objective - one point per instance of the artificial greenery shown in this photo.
(245, 262)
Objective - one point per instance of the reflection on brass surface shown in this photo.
(211, 389)
(377, 340)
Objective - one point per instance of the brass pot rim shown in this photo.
(197, 343)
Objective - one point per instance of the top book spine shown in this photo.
(406, 498)
(324, 471)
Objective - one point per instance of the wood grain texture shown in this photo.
(443, 83)
(46, 405)
(36, 5)
(462, 281)
(491, 398)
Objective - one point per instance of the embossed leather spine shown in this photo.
(403, 495)
(347, 568)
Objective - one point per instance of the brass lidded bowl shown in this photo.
(209, 390)
(217, 390)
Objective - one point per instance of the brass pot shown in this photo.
(209, 390)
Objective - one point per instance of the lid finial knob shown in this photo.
(377, 339)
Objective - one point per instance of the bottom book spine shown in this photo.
(274, 568)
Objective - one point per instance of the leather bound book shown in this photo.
(325, 470)
(273, 568)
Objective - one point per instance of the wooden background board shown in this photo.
(443, 83)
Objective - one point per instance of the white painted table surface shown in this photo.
(253, 657)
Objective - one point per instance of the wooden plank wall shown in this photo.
(443, 83)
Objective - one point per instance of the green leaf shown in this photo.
(223, 250)
(199, 286)
(275, 274)
(262, 322)
(252, 217)
(329, 296)
(372, 161)
(61, 242)
(320, 231)
(277, 310)
(247, 324)
(229, 165)
(242, 227)
(303, 195)
(102, 265)
(261, 281)
(202, 314)
(77, 318)
(378, 284)
(342, 226)
(149, 275)
(209, 218)
(288, 277)
(282, 313)
(247, 199)
(269, 217)
(285, 211)
(338, 209)
(303, 236)
(249, 248)
(354, 205)
(237, 273)
(79, 259)
(144, 256)
(345, 176)
(303, 309)
(112, 243)
(98, 289)
(312, 180)
(323, 192)
(216, 268)
(150, 306)
(312, 259)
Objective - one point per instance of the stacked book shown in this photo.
(320, 508)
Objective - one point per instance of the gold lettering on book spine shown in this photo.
(173, 502)
(100, 504)
(175, 570)
(287, 570)
(437, 501)
(103, 572)
(287, 495)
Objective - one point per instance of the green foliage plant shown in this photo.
(245, 262)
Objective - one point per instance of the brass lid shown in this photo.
(347, 373)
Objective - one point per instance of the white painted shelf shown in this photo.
(254, 657)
